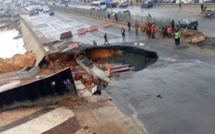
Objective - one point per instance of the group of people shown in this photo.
(151, 30)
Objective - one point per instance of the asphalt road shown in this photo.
(206, 25)
(185, 81)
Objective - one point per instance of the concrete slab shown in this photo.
(43, 123)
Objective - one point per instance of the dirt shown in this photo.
(59, 62)
(17, 62)
(208, 43)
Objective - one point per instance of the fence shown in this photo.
(121, 16)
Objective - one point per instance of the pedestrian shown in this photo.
(164, 31)
(123, 33)
(105, 38)
(173, 25)
(177, 28)
(94, 43)
(176, 37)
(131, 3)
(136, 27)
(109, 16)
(202, 8)
(116, 17)
(129, 26)
(142, 27)
(153, 31)
(169, 31)
(179, 3)
(147, 30)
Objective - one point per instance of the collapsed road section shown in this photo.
(57, 84)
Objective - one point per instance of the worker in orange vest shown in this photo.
(153, 31)
(169, 31)
(143, 27)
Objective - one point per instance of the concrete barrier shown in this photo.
(58, 84)
(28, 72)
(32, 42)
(66, 35)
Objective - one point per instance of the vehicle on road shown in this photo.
(168, 1)
(33, 12)
(124, 12)
(209, 13)
(123, 4)
(46, 9)
(98, 5)
(51, 12)
(147, 3)
(189, 23)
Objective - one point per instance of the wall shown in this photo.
(32, 42)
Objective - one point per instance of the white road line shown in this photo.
(43, 123)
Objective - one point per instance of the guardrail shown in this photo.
(121, 17)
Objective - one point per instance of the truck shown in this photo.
(111, 3)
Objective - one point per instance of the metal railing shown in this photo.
(160, 22)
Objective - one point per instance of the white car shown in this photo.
(98, 5)
(46, 9)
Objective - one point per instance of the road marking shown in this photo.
(136, 120)
(43, 123)
(25, 119)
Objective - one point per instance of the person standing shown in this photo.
(116, 17)
(136, 27)
(173, 25)
(177, 42)
(153, 31)
(129, 26)
(109, 16)
(179, 3)
(202, 8)
(106, 40)
(123, 33)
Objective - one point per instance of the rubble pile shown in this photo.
(17, 62)
(59, 62)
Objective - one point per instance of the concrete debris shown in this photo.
(117, 68)
(92, 69)
(159, 96)
(197, 39)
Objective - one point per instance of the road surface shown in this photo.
(173, 12)
(184, 80)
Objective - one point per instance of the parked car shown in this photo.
(46, 9)
(189, 23)
(33, 12)
(123, 4)
(125, 12)
(147, 3)
(51, 12)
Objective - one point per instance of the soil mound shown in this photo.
(17, 62)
